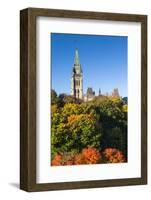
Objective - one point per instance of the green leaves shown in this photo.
(53, 97)
(72, 130)
(99, 124)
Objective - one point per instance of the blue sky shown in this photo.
(103, 60)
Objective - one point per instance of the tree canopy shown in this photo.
(76, 125)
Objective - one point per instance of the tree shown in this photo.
(65, 99)
(112, 155)
(113, 117)
(125, 100)
(99, 124)
(54, 98)
(115, 138)
(60, 99)
(72, 131)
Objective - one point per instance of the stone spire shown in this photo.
(99, 92)
(77, 78)
(76, 58)
(77, 66)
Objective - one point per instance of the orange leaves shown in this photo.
(64, 159)
(79, 159)
(75, 118)
(57, 160)
(89, 155)
(112, 155)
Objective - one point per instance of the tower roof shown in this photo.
(76, 58)
(77, 66)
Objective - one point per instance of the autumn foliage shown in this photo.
(91, 132)
(112, 155)
(57, 161)
(89, 155)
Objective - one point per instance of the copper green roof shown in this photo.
(77, 65)
(76, 58)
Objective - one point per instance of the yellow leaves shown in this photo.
(54, 108)
(125, 108)
(115, 99)
(71, 106)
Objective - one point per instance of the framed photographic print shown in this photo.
(83, 93)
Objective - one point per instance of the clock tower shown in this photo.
(77, 78)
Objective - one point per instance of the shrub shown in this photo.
(91, 155)
(57, 161)
(112, 155)
(79, 159)
(86, 156)
(64, 159)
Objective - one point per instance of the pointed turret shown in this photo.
(76, 58)
(77, 66)
(99, 92)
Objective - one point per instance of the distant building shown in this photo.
(77, 84)
(115, 93)
(89, 95)
(100, 92)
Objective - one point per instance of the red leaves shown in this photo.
(89, 155)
